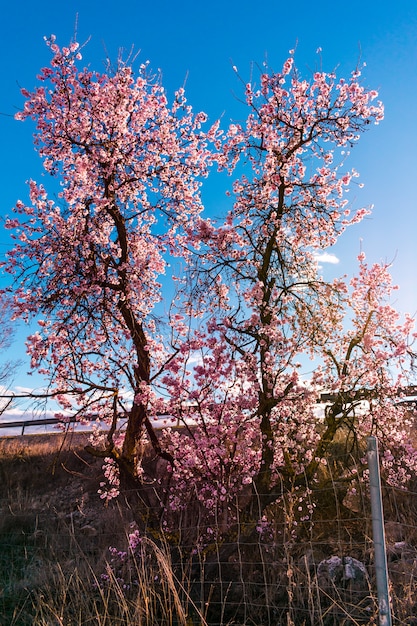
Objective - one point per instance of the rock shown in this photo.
(344, 590)
(342, 572)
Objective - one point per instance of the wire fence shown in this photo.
(67, 559)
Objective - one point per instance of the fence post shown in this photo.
(381, 568)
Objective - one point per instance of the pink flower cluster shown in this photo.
(253, 309)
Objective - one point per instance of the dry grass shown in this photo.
(28, 446)
(56, 532)
(55, 537)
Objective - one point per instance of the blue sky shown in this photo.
(200, 42)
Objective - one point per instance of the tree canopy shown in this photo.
(251, 305)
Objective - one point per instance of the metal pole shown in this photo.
(381, 568)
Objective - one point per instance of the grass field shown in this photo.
(56, 568)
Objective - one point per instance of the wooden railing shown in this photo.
(39, 422)
(408, 395)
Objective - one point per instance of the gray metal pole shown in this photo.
(381, 568)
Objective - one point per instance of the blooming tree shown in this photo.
(88, 265)
(255, 310)
(271, 312)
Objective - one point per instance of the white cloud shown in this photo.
(327, 257)
(28, 390)
(195, 359)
